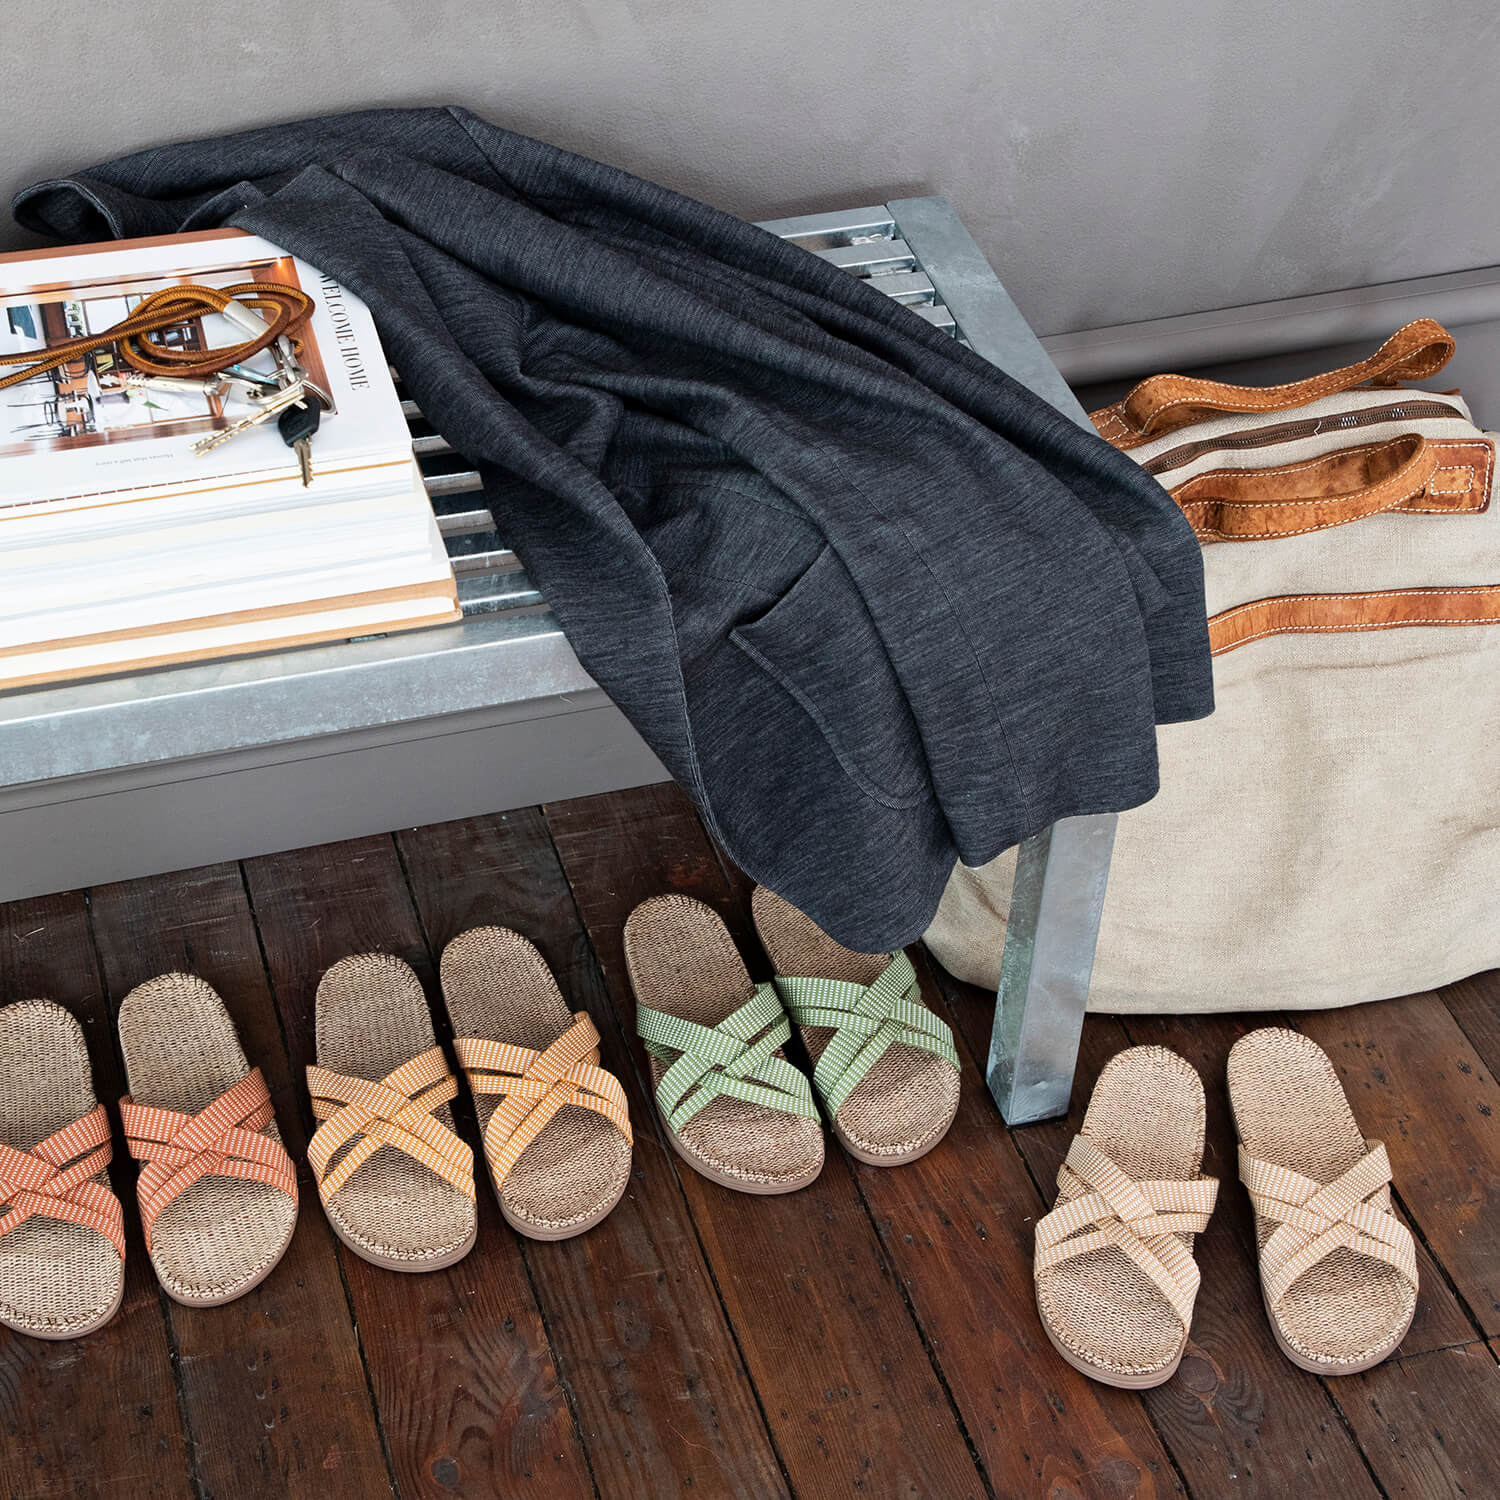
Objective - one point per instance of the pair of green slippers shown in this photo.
(885, 1069)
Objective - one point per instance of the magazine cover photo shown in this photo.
(96, 398)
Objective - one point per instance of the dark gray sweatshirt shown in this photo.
(875, 605)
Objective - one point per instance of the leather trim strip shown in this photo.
(1409, 473)
(1465, 473)
(1382, 609)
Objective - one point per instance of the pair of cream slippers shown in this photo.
(1115, 1274)
(885, 1072)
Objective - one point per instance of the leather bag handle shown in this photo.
(1164, 403)
(1246, 505)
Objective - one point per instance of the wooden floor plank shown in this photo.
(1475, 1004)
(1237, 1417)
(275, 1392)
(660, 1389)
(1427, 1424)
(1416, 1082)
(848, 1388)
(466, 1389)
(957, 1227)
(57, 1409)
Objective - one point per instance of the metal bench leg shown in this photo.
(1060, 874)
(1055, 906)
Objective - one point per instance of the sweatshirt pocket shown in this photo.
(819, 644)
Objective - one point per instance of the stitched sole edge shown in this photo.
(566, 1231)
(218, 1299)
(1328, 1367)
(63, 1335)
(428, 1263)
(1145, 1381)
(888, 1158)
(738, 1184)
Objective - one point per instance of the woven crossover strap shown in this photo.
(1314, 1219)
(54, 1180)
(535, 1085)
(1140, 1218)
(397, 1112)
(733, 1059)
(225, 1139)
(868, 1019)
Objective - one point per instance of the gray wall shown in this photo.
(1116, 161)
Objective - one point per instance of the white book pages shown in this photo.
(426, 564)
(220, 639)
(239, 550)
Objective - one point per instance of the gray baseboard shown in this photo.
(146, 820)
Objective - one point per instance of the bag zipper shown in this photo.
(1285, 432)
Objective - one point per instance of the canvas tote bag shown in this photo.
(1331, 834)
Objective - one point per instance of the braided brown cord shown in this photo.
(283, 308)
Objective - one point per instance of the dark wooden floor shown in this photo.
(872, 1335)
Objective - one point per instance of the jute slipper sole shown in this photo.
(62, 1271)
(1344, 1367)
(557, 1135)
(91, 1325)
(217, 1190)
(733, 1107)
(1123, 1380)
(885, 1067)
(741, 1184)
(912, 1152)
(436, 1262)
(396, 1182)
(1115, 1275)
(1338, 1268)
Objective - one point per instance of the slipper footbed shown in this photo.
(181, 1052)
(911, 1095)
(497, 986)
(1290, 1109)
(371, 1017)
(1147, 1115)
(56, 1279)
(683, 961)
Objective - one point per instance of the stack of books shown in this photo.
(121, 548)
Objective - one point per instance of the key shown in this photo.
(186, 385)
(297, 424)
(289, 396)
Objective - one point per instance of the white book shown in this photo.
(325, 620)
(236, 588)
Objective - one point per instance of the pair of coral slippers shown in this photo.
(217, 1191)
